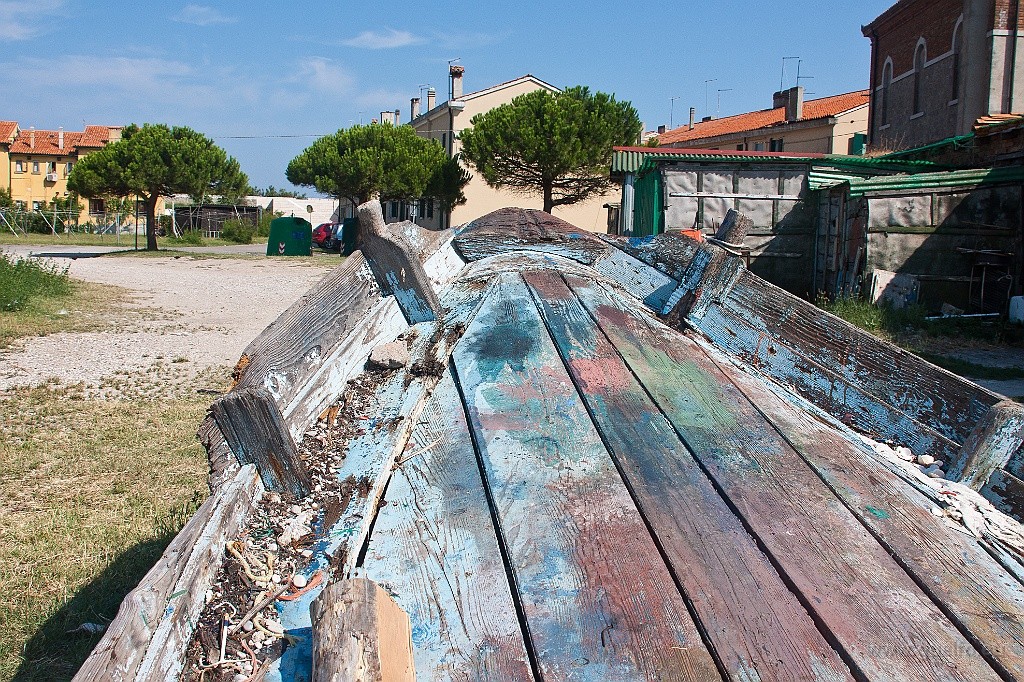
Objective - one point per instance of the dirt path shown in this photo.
(186, 315)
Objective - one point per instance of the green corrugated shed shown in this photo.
(953, 179)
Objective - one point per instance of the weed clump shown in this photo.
(22, 279)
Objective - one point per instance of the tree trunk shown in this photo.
(150, 221)
(549, 201)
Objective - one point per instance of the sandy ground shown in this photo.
(187, 314)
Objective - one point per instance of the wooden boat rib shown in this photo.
(605, 459)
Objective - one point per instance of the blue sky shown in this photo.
(280, 74)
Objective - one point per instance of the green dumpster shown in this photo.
(349, 235)
(290, 236)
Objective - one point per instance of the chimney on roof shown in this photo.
(398, 116)
(456, 71)
(795, 103)
(60, 138)
(661, 130)
(780, 99)
(32, 137)
(431, 98)
(414, 108)
(693, 115)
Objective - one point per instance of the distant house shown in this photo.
(828, 125)
(937, 66)
(444, 122)
(35, 164)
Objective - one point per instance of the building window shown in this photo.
(739, 147)
(920, 56)
(775, 145)
(759, 146)
(19, 166)
(35, 167)
(886, 84)
(19, 204)
(957, 47)
(96, 206)
(36, 205)
(51, 166)
(394, 209)
(68, 167)
(430, 208)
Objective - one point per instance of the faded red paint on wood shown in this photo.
(598, 600)
(887, 627)
(950, 566)
(755, 623)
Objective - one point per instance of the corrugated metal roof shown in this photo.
(944, 179)
(632, 159)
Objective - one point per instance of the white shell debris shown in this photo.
(299, 581)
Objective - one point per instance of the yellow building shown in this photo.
(444, 122)
(35, 164)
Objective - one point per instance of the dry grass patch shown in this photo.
(93, 491)
(88, 308)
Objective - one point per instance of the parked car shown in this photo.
(327, 236)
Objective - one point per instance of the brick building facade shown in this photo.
(939, 65)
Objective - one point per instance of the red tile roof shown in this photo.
(824, 107)
(46, 142)
(7, 129)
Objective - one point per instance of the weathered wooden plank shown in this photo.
(148, 637)
(360, 635)
(369, 460)
(1006, 492)
(970, 586)
(435, 549)
(598, 600)
(383, 323)
(641, 280)
(757, 626)
(995, 442)
(397, 268)
(925, 393)
(253, 427)
(885, 626)
(222, 462)
(821, 385)
(512, 229)
(281, 358)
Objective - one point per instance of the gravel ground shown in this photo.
(192, 314)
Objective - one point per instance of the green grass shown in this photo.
(93, 491)
(85, 239)
(25, 279)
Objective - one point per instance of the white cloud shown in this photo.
(22, 20)
(201, 15)
(324, 75)
(373, 40)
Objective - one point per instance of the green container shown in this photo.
(349, 236)
(290, 236)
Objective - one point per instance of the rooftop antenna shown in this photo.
(798, 76)
(671, 111)
(718, 111)
(782, 78)
(710, 80)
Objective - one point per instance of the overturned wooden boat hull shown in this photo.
(603, 459)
